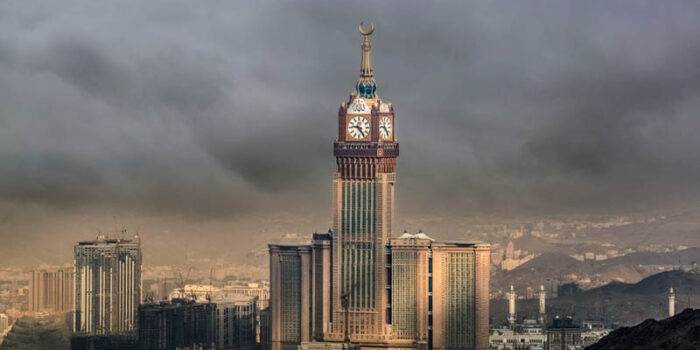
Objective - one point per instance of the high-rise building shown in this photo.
(563, 334)
(177, 324)
(411, 296)
(290, 296)
(259, 290)
(363, 210)
(107, 286)
(322, 273)
(355, 284)
(51, 289)
(236, 322)
(460, 296)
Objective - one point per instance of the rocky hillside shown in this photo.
(681, 332)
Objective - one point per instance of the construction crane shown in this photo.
(211, 284)
(181, 282)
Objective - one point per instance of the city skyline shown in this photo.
(179, 176)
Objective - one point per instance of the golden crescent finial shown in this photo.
(366, 32)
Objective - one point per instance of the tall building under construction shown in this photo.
(360, 285)
(107, 286)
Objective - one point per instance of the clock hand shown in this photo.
(359, 129)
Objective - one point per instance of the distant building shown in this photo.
(51, 289)
(107, 286)
(592, 336)
(265, 329)
(563, 334)
(529, 293)
(198, 292)
(530, 337)
(260, 290)
(237, 322)
(511, 263)
(103, 342)
(4, 323)
(179, 324)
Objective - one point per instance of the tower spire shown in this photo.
(366, 86)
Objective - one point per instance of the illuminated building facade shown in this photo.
(357, 285)
(290, 296)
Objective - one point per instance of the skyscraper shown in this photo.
(177, 324)
(363, 208)
(236, 322)
(51, 289)
(460, 296)
(290, 296)
(355, 284)
(107, 285)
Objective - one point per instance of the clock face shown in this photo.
(385, 127)
(358, 127)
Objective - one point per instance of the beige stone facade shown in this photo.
(290, 296)
(51, 289)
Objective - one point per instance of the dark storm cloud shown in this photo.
(213, 109)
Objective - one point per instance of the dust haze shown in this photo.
(202, 124)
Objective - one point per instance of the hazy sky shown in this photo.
(187, 113)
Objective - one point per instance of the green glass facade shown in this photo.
(358, 232)
(460, 301)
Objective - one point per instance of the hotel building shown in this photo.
(357, 284)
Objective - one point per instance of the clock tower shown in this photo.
(363, 211)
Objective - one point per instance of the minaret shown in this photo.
(511, 305)
(543, 296)
(671, 302)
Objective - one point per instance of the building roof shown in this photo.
(419, 235)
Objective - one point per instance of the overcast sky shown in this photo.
(191, 112)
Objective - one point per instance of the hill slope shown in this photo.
(680, 332)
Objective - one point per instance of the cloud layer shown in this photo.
(216, 109)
